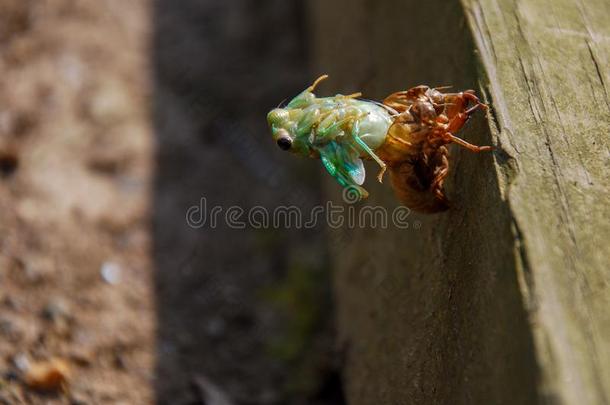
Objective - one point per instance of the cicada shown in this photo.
(406, 135)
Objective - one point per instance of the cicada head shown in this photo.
(283, 124)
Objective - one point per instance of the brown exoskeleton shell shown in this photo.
(414, 149)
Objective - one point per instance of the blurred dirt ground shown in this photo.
(115, 117)
(74, 122)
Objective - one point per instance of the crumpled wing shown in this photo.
(343, 162)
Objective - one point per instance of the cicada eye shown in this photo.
(284, 143)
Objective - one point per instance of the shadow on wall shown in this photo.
(241, 308)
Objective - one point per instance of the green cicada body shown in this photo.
(341, 130)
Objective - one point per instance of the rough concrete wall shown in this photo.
(441, 312)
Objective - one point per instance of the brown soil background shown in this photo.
(115, 118)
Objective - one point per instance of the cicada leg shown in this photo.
(316, 82)
(473, 148)
(368, 150)
(458, 119)
(328, 124)
(458, 113)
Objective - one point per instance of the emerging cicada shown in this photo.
(406, 134)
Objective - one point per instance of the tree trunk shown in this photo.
(505, 297)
